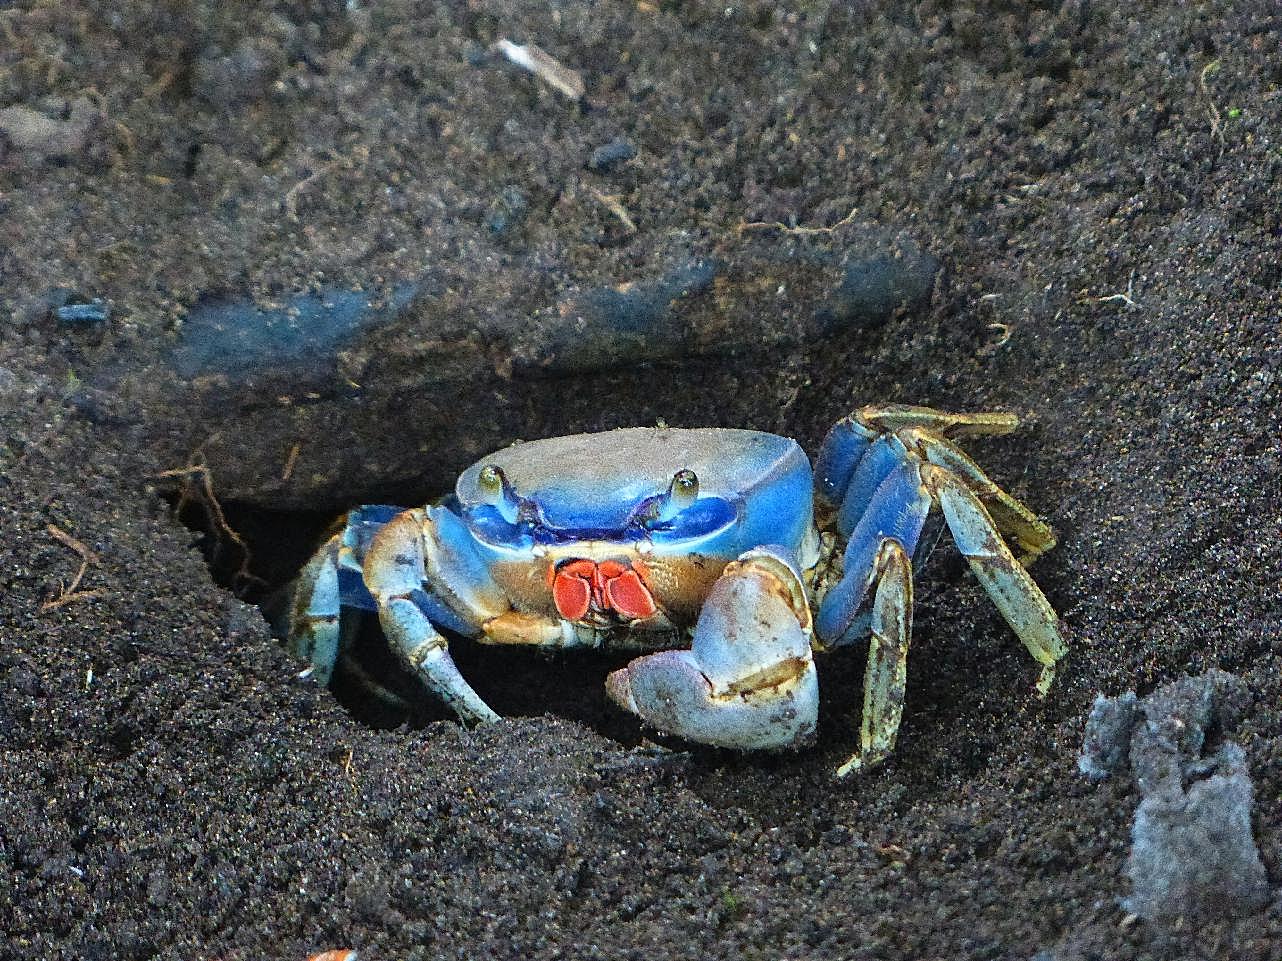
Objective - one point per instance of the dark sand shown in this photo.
(170, 789)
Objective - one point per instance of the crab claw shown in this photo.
(748, 680)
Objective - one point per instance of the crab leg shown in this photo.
(850, 487)
(842, 450)
(886, 674)
(396, 570)
(314, 626)
(897, 513)
(884, 488)
(1033, 535)
(883, 458)
(748, 680)
(330, 581)
(879, 552)
(1020, 601)
(895, 417)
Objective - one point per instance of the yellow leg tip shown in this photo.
(863, 761)
(1045, 680)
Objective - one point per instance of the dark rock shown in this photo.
(83, 314)
(633, 322)
(239, 338)
(872, 287)
(329, 399)
(610, 155)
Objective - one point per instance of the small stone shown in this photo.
(1192, 853)
(608, 156)
(30, 132)
(94, 311)
(507, 212)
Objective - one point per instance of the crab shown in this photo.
(719, 552)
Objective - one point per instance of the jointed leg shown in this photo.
(883, 468)
(886, 675)
(1020, 601)
(313, 628)
(850, 438)
(896, 512)
(879, 552)
(977, 512)
(1033, 535)
(395, 572)
(896, 417)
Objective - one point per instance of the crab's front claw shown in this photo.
(748, 680)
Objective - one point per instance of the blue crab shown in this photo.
(719, 550)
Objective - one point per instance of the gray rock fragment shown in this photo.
(95, 311)
(29, 132)
(608, 156)
(1106, 747)
(1192, 852)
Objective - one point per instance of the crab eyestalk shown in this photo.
(681, 493)
(498, 491)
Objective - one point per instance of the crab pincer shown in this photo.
(748, 680)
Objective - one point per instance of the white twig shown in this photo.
(1127, 298)
(544, 66)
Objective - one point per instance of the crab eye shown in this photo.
(684, 490)
(681, 493)
(491, 479)
(497, 491)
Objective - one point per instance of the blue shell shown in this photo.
(754, 488)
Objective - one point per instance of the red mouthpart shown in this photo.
(580, 586)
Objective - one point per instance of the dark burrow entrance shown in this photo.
(255, 553)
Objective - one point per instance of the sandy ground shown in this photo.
(1100, 184)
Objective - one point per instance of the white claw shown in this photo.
(748, 681)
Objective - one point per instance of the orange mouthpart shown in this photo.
(582, 585)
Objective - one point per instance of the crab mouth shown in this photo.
(601, 592)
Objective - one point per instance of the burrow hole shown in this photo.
(517, 682)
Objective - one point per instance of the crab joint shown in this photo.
(582, 585)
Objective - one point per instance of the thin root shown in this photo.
(293, 193)
(1127, 298)
(64, 599)
(196, 483)
(69, 594)
(290, 462)
(803, 231)
(612, 203)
